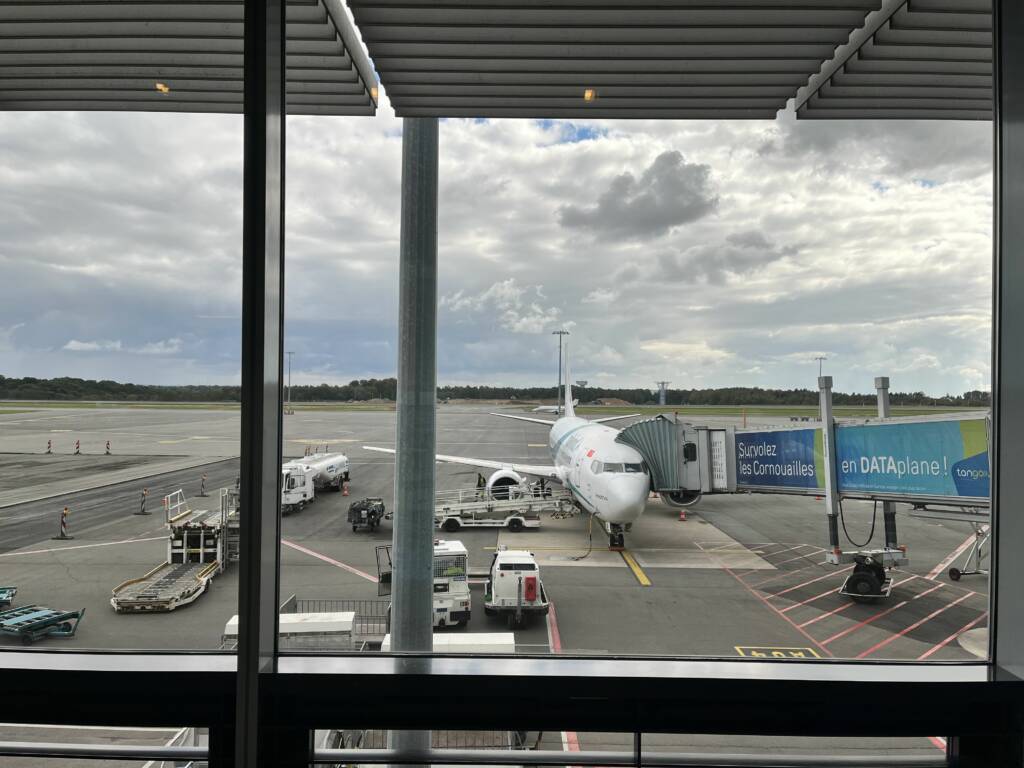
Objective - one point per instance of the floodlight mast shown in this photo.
(559, 405)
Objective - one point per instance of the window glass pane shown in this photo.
(745, 251)
(120, 325)
(59, 736)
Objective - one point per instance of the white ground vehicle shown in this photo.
(302, 478)
(451, 581)
(514, 587)
(507, 506)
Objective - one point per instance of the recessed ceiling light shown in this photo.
(589, 94)
(163, 88)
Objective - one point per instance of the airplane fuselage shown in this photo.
(607, 478)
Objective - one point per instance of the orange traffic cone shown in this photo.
(344, 489)
(682, 515)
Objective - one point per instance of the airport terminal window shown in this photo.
(119, 425)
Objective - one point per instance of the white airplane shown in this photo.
(556, 409)
(608, 479)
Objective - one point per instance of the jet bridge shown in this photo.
(685, 461)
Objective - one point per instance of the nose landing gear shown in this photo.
(616, 537)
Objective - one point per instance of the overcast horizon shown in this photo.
(705, 253)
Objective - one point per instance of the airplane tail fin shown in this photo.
(569, 410)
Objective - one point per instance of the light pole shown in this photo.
(558, 389)
(289, 408)
(820, 359)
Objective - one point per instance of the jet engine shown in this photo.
(505, 484)
(681, 498)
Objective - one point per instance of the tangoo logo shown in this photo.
(968, 473)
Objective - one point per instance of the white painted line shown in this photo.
(80, 546)
(331, 560)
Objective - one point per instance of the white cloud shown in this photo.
(74, 345)
(737, 249)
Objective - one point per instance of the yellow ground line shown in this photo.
(634, 566)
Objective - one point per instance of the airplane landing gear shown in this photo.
(616, 537)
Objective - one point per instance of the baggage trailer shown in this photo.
(503, 507)
(199, 546)
(367, 513)
(34, 622)
(7, 596)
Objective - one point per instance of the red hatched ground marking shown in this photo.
(874, 617)
(879, 645)
(944, 643)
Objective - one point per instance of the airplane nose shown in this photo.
(630, 498)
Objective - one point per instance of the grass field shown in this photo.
(24, 406)
(765, 410)
(5, 411)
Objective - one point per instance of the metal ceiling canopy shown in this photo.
(920, 59)
(172, 56)
(601, 58)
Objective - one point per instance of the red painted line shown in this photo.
(876, 616)
(821, 616)
(938, 742)
(953, 555)
(785, 618)
(912, 627)
(331, 560)
(812, 581)
(954, 636)
(570, 740)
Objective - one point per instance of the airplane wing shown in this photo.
(614, 418)
(523, 418)
(546, 471)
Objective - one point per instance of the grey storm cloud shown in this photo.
(670, 192)
(741, 252)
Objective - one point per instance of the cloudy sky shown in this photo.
(705, 253)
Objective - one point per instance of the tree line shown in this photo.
(66, 388)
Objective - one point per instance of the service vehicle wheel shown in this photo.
(451, 525)
(515, 524)
(354, 528)
(864, 586)
(489, 611)
(955, 574)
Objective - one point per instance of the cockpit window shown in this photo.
(629, 468)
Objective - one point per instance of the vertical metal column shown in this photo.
(1007, 617)
(888, 507)
(413, 537)
(828, 441)
(262, 320)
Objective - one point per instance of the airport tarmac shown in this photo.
(742, 576)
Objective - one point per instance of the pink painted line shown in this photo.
(821, 616)
(874, 617)
(812, 581)
(833, 591)
(944, 643)
(779, 613)
(80, 546)
(953, 555)
(912, 627)
(570, 739)
(331, 560)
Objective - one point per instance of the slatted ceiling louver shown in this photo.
(115, 55)
(928, 59)
(651, 59)
(657, 440)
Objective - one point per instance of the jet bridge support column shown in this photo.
(413, 528)
(888, 507)
(828, 441)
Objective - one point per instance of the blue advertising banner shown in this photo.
(925, 458)
(790, 458)
(947, 459)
